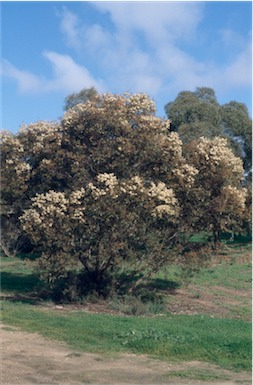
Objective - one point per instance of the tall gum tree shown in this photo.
(198, 113)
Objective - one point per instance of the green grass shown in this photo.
(225, 238)
(228, 275)
(16, 276)
(224, 342)
(233, 276)
(227, 285)
(201, 237)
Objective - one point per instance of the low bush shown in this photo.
(143, 302)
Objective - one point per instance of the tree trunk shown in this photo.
(216, 237)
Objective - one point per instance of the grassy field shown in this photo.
(224, 342)
(207, 320)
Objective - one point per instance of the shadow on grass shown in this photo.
(207, 238)
(156, 284)
(17, 287)
(23, 283)
(242, 239)
(164, 285)
(29, 256)
(30, 300)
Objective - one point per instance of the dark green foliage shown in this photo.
(195, 113)
(83, 96)
(198, 113)
(238, 125)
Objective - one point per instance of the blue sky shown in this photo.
(51, 49)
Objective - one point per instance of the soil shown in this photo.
(30, 359)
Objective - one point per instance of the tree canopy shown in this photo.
(198, 113)
(109, 189)
(83, 96)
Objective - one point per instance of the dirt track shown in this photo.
(30, 359)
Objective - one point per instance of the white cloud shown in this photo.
(68, 76)
(69, 27)
(95, 37)
(232, 39)
(141, 50)
(141, 46)
(158, 21)
(181, 71)
(27, 82)
(238, 73)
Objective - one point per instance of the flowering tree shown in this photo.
(14, 176)
(28, 167)
(121, 170)
(108, 189)
(220, 199)
(103, 226)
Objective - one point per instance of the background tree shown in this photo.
(196, 114)
(238, 125)
(83, 96)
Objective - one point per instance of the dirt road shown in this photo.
(30, 359)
